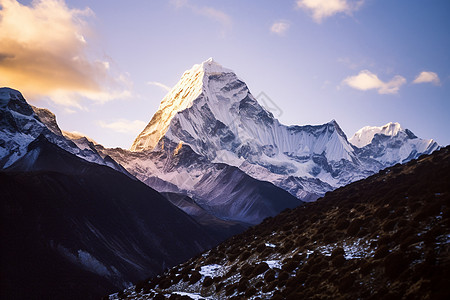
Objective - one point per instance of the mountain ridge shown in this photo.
(220, 119)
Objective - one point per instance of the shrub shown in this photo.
(381, 252)
(165, 283)
(196, 276)
(283, 276)
(354, 227)
(207, 281)
(261, 247)
(342, 224)
(346, 282)
(382, 212)
(242, 286)
(246, 270)
(301, 276)
(337, 251)
(219, 287)
(269, 276)
(389, 226)
(260, 268)
(395, 264)
(338, 261)
(250, 292)
(159, 297)
(245, 255)
(229, 289)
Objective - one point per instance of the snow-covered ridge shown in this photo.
(365, 135)
(390, 144)
(212, 112)
(21, 124)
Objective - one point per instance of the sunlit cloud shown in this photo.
(427, 77)
(209, 12)
(321, 9)
(159, 84)
(366, 80)
(132, 128)
(44, 53)
(280, 27)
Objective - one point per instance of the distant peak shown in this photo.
(337, 128)
(365, 135)
(333, 122)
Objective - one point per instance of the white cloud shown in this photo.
(206, 11)
(124, 126)
(321, 9)
(366, 80)
(280, 27)
(159, 84)
(427, 76)
(44, 52)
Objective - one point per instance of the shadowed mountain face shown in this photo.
(223, 190)
(385, 237)
(74, 229)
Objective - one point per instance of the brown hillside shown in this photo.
(385, 237)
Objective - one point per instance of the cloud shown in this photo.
(159, 84)
(321, 9)
(366, 80)
(280, 27)
(44, 52)
(427, 76)
(125, 126)
(206, 11)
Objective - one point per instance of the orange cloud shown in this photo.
(44, 53)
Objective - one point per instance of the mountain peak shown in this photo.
(365, 135)
(338, 129)
(6, 93)
(210, 66)
(192, 84)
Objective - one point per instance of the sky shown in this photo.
(104, 66)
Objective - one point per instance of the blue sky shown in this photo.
(103, 71)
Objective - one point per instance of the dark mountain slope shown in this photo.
(219, 228)
(224, 190)
(385, 237)
(74, 229)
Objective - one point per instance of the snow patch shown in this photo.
(211, 270)
(274, 264)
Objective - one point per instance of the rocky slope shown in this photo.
(384, 237)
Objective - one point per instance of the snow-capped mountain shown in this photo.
(211, 111)
(390, 144)
(21, 123)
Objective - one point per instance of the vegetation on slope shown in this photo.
(387, 236)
